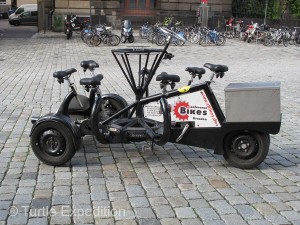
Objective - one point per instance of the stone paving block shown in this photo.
(139, 202)
(148, 222)
(177, 202)
(38, 221)
(211, 196)
(185, 212)
(253, 198)
(191, 222)
(134, 190)
(171, 192)
(270, 198)
(170, 221)
(61, 200)
(233, 219)
(110, 221)
(164, 211)
(236, 200)
(291, 215)
(207, 214)
(277, 219)
(248, 212)
(156, 201)
(17, 219)
(193, 194)
(144, 213)
(125, 215)
(125, 222)
(222, 207)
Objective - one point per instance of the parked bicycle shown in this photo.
(212, 37)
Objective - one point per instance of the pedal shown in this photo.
(183, 132)
(114, 129)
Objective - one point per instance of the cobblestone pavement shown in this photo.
(124, 184)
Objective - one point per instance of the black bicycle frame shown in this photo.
(204, 86)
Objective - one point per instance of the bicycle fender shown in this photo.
(64, 120)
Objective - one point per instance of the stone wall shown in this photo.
(109, 9)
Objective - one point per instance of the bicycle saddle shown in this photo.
(92, 81)
(62, 74)
(89, 64)
(164, 77)
(195, 70)
(216, 68)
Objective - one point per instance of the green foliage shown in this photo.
(295, 7)
(256, 8)
(58, 20)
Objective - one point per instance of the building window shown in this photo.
(132, 4)
(142, 4)
(138, 4)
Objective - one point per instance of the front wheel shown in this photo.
(246, 150)
(123, 39)
(52, 143)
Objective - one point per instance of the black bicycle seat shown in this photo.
(195, 70)
(62, 74)
(216, 68)
(164, 77)
(92, 81)
(89, 64)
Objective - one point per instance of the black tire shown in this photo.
(204, 41)
(113, 103)
(150, 36)
(131, 39)
(52, 143)
(17, 23)
(297, 40)
(221, 40)
(123, 39)
(285, 41)
(249, 39)
(68, 35)
(246, 150)
(114, 40)
(160, 40)
(96, 40)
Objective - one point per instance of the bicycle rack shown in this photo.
(139, 84)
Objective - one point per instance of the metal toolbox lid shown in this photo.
(253, 86)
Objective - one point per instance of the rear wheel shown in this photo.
(113, 103)
(52, 143)
(221, 40)
(131, 39)
(246, 150)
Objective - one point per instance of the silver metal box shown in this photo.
(253, 102)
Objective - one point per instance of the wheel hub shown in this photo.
(53, 142)
(244, 146)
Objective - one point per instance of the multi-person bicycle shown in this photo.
(189, 115)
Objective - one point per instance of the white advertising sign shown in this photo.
(191, 107)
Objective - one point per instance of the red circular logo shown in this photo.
(178, 110)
